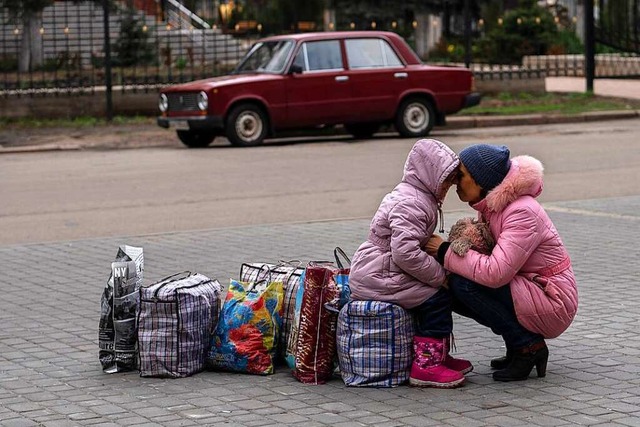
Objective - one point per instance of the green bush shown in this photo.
(132, 47)
(8, 64)
(527, 30)
(566, 42)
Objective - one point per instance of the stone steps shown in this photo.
(75, 32)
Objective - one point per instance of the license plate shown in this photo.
(179, 124)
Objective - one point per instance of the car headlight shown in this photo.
(163, 102)
(203, 101)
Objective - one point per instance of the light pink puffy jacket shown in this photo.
(529, 254)
(391, 266)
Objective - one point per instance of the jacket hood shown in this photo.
(429, 163)
(523, 179)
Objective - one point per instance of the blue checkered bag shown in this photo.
(375, 344)
(176, 319)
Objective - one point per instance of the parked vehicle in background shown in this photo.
(362, 79)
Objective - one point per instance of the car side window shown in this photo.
(371, 53)
(319, 56)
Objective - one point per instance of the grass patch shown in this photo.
(77, 122)
(547, 103)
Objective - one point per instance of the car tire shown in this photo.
(416, 117)
(246, 125)
(362, 130)
(196, 138)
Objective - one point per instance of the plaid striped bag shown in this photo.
(176, 320)
(287, 272)
(375, 341)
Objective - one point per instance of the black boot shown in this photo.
(502, 362)
(524, 359)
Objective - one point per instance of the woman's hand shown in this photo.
(433, 244)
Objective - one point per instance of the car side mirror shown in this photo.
(295, 69)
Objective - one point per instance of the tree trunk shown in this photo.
(31, 43)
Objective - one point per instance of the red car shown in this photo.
(361, 79)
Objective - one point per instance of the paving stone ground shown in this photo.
(49, 311)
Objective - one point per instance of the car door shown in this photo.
(321, 93)
(377, 75)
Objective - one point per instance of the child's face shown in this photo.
(452, 179)
(467, 188)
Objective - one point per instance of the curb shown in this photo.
(464, 122)
(453, 122)
(38, 148)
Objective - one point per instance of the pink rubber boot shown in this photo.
(461, 365)
(428, 368)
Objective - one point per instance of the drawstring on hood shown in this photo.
(440, 218)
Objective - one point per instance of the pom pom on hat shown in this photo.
(487, 164)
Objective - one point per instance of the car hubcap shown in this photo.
(249, 126)
(416, 117)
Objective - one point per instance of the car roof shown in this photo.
(409, 55)
(333, 34)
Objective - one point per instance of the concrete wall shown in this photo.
(70, 106)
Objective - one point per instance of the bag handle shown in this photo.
(268, 272)
(253, 285)
(337, 253)
(186, 274)
(295, 263)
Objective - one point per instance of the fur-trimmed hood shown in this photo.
(523, 179)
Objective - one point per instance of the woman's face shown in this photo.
(466, 187)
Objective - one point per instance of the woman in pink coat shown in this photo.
(391, 265)
(525, 290)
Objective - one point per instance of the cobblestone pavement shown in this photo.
(50, 374)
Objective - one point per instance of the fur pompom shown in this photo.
(469, 233)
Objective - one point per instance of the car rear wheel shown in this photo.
(196, 139)
(246, 125)
(416, 117)
(362, 130)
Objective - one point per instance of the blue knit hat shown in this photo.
(487, 164)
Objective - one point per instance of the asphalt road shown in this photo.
(67, 195)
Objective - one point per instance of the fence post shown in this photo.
(107, 60)
(467, 33)
(589, 45)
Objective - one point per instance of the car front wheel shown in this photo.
(196, 139)
(416, 117)
(246, 125)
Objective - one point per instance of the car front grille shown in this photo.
(186, 101)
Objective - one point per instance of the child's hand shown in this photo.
(433, 244)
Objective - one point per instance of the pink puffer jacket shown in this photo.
(391, 265)
(529, 254)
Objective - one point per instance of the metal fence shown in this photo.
(159, 42)
(153, 42)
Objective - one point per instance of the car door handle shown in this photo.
(401, 75)
(342, 78)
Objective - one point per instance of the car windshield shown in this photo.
(266, 57)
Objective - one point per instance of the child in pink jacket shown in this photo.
(525, 289)
(391, 265)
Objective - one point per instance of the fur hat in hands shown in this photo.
(469, 233)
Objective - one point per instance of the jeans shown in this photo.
(492, 308)
(434, 316)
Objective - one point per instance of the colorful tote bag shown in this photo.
(176, 319)
(246, 336)
(375, 341)
(287, 272)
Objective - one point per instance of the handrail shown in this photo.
(189, 13)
